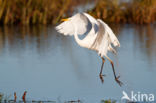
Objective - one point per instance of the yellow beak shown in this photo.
(65, 19)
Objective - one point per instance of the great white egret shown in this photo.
(99, 36)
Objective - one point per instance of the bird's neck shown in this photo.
(79, 41)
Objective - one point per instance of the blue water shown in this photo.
(50, 66)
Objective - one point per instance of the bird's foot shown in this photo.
(101, 77)
(118, 81)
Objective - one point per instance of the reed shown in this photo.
(51, 11)
(32, 11)
(136, 11)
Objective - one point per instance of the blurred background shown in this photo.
(50, 66)
(26, 12)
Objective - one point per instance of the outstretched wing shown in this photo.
(82, 22)
(102, 40)
(112, 36)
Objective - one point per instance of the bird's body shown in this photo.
(99, 36)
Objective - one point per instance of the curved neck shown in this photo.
(79, 41)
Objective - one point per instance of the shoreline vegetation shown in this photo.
(133, 12)
(6, 99)
(25, 12)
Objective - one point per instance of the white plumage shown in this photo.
(99, 36)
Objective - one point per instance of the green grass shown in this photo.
(108, 101)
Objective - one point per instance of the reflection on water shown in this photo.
(51, 66)
(144, 38)
(18, 38)
(147, 39)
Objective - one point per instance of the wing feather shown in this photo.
(104, 38)
(102, 41)
(82, 22)
(112, 36)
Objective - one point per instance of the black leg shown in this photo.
(116, 78)
(101, 75)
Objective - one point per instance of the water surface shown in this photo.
(50, 66)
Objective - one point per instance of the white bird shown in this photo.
(99, 36)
